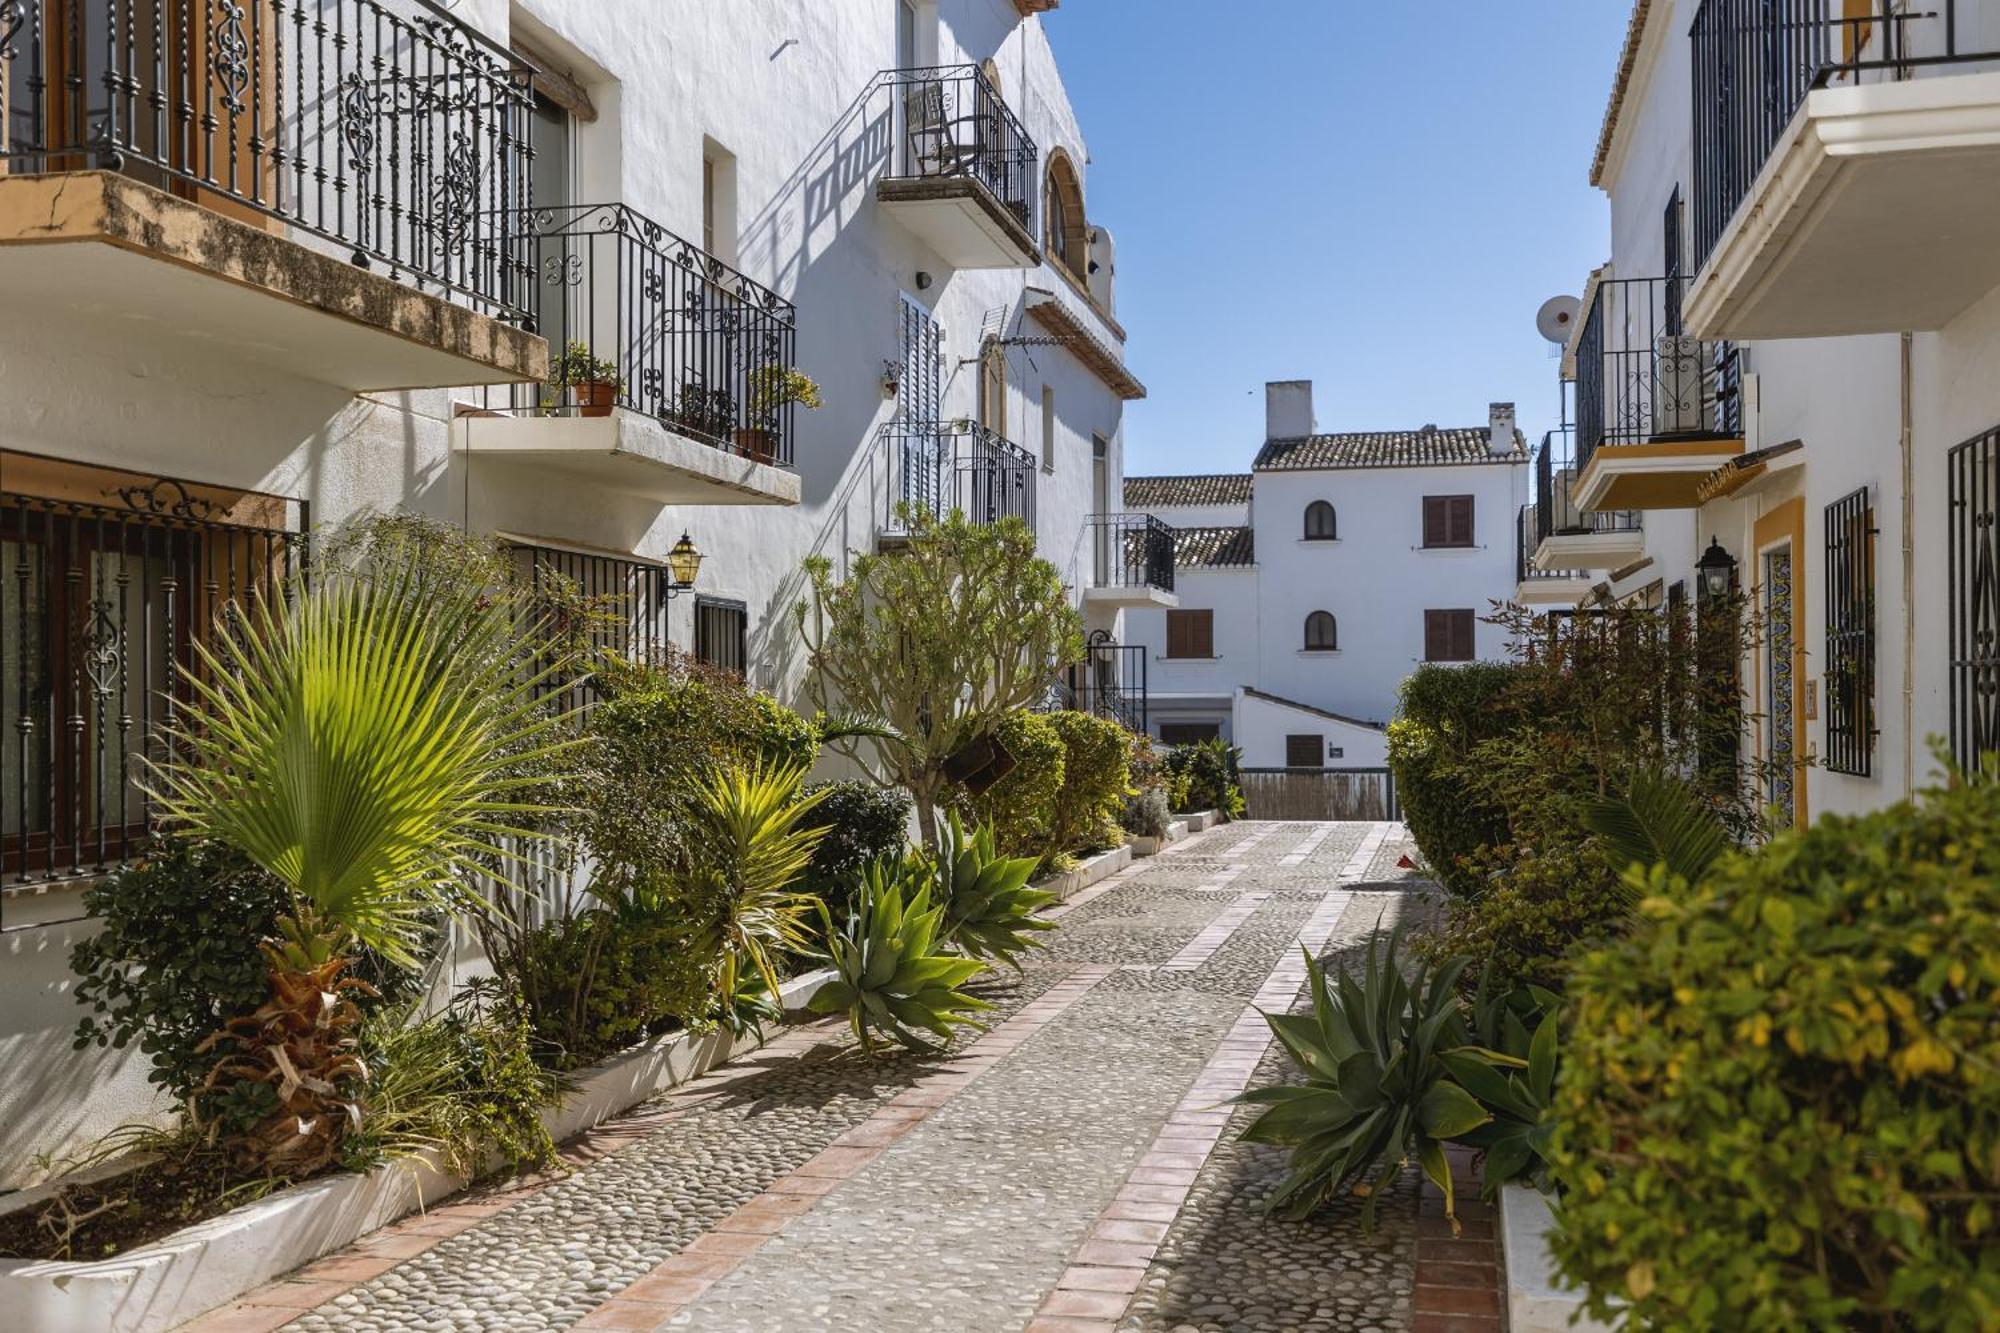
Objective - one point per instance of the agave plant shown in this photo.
(1513, 1075)
(891, 972)
(754, 847)
(1377, 1092)
(368, 742)
(989, 910)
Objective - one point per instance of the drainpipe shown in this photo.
(1905, 444)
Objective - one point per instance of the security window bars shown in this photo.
(102, 602)
(1110, 682)
(1850, 635)
(722, 633)
(1304, 752)
(607, 606)
(1973, 590)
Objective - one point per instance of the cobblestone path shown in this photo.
(1074, 1171)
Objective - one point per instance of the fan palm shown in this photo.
(1661, 820)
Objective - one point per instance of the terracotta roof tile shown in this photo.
(1214, 548)
(1231, 488)
(1432, 446)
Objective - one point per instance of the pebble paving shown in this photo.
(967, 1222)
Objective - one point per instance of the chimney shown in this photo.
(1288, 410)
(1500, 428)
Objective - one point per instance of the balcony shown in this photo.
(936, 468)
(320, 189)
(1110, 682)
(1570, 537)
(1656, 409)
(674, 382)
(1535, 585)
(965, 173)
(1846, 168)
(1131, 562)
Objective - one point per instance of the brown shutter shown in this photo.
(1461, 520)
(1461, 628)
(1448, 636)
(1176, 634)
(1434, 520)
(1434, 633)
(1190, 634)
(1204, 633)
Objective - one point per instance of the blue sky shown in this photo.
(1370, 194)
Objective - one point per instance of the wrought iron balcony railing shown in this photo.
(641, 319)
(101, 605)
(1110, 682)
(1639, 378)
(386, 127)
(1131, 551)
(1528, 536)
(1556, 513)
(938, 467)
(1755, 61)
(952, 124)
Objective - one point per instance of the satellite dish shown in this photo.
(1557, 317)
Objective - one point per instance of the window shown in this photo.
(1303, 752)
(1850, 635)
(1068, 237)
(1447, 520)
(993, 387)
(1191, 633)
(1672, 262)
(627, 598)
(718, 201)
(721, 632)
(1322, 635)
(1048, 428)
(1320, 522)
(1973, 514)
(1448, 636)
(1189, 733)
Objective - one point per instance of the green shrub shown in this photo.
(177, 955)
(1542, 905)
(1446, 712)
(595, 982)
(1095, 782)
(864, 822)
(1146, 814)
(1020, 806)
(1780, 1098)
(1205, 776)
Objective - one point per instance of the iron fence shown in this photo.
(1131, 551)
(101, 605)
(1755, 61)
(1973, 590)
(1528, 536)
(642, 319)
(1556, 512)
(1320, 794)
(954, 125)
(1640, 378)
(938, 467)
(1110, 682)
(384, 126)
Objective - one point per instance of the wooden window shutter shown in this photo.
(1303, 751)
(1435, 522)
(1461, 521)
(1190, 634)
(1448, 636)
(1461, 632)
(1434, 636)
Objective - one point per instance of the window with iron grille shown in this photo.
(1303, 752)
(1447, 520)
(721, 633)
(1850, 635)
(1973, 589)
(609, 604)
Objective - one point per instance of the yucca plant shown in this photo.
(755, 842)
(1378, 1093)
(989, 910)
(367, 741)
(892, 974)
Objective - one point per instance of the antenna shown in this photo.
(1557, 317)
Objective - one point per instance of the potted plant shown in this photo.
(772, 389)
(700, 410)
(592, 385)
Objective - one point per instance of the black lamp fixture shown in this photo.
(683, 566)
(1716, 571)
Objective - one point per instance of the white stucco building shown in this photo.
(1785, 365)
(1310, 586)
(338, 288)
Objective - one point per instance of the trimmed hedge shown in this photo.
(1019, 806)
(1096, 777)
(1447, 711)
(1780, 1097)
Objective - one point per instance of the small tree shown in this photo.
(935, 644)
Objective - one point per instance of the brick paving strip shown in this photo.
(1216, 933)
(655, 1298)
(1458, 1276)
(1107, 1268)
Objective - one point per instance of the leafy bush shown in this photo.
(1780, 1102)
(1146, 814)
(1020, 805)
(864, 822)
(1543, 905)
(1446, 712)
(1210, 775)
(989, 910)
(596, 981)
(892, 976)
(1095, 781)
(1519, 1090)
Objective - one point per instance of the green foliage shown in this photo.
(1209, 776)
(1379, 1090)
(1446, 712)
(891, 973)
(1779, 1105)
(463, 1083)
(1085, 813)
(753, 847)
(863, 823)
(577, 364)
(596, 981)
(1547, 901)
(1020, 805)
(937, 642)
(1146, 814)
(989, 910)
(1659, 820)
(177, 955)
(1517, 1091)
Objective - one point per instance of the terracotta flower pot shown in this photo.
(756, 444)
(595, 398)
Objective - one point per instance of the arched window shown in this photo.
(1320, 526)
(1068, 237)
(1322, 635)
